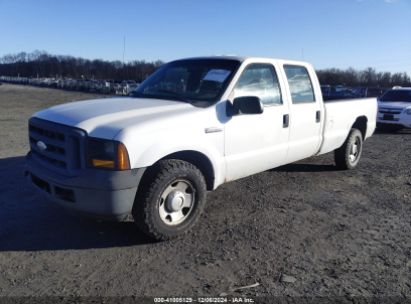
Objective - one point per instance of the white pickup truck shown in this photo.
(190, 127)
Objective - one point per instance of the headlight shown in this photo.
(408, 111)
(107, 154)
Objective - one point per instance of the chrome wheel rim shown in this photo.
(355, 150)
(176, 202)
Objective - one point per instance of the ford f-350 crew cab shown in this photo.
(190, 127)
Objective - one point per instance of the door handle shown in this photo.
(318, 116)
(286, 120)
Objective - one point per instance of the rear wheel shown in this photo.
(348, 156)
(170, 202)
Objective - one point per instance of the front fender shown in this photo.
(146, 149)
(157, 152)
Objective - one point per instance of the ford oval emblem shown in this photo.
(41, 145)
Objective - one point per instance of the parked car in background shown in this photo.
(325, 90)
(373, 92)
(102, 86)
(337, 92)
(394, 109)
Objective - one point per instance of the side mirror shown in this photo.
(247, 105)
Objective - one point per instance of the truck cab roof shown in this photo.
(244, 58)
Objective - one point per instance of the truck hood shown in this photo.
(106, 117)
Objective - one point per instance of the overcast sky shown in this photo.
(328, 33)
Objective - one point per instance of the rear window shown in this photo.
(300, 84)
(397, 95)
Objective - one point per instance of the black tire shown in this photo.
(345, 157)
(150, 207)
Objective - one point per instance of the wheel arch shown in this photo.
(361, 124)
(198, 159)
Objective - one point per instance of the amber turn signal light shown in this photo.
(102, 163)
(123, 160)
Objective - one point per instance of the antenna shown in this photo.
(124, 47)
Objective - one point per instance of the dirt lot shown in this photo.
(338, 233)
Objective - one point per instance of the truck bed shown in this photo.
(341, 114)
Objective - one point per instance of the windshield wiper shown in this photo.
(165, 94)
(171, 95)
(174, 95)
(136, 94)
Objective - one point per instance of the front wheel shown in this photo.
(170, 202)
(348, 156)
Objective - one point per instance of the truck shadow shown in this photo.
(299, 167)
(385, 132)
(30, 223)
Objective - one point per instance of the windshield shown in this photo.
(396, 95)
(198, 81)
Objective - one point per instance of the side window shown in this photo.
(259, 80)
(300, 84)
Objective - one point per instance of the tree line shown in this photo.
(41, 64)
(367, 78)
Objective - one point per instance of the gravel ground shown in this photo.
(304, 229)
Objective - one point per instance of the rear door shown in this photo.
(254, 143)
(305, 114)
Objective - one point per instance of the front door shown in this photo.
(254, 143)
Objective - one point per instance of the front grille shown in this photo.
(394, 111)
(56, 145)
(55, 151)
